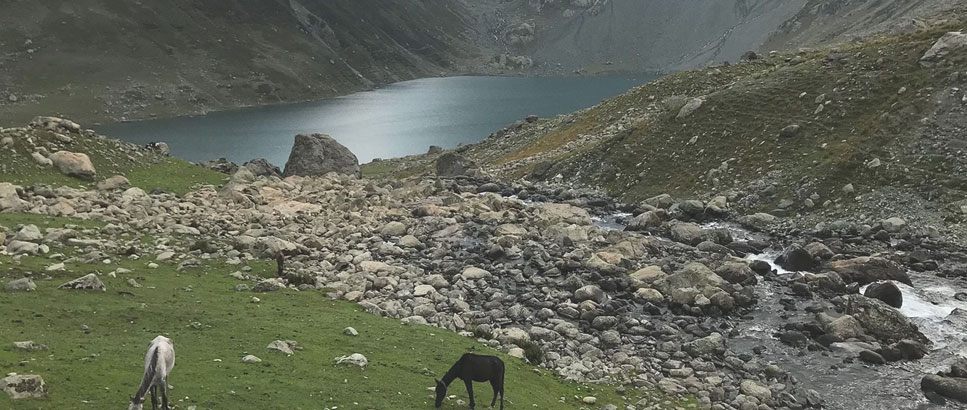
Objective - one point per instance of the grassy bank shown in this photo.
(144, 169)
(213, 327)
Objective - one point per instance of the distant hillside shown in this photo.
(110, 60)
(98, 60)
(658, 35)
(809, 131)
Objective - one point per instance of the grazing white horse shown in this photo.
(157, 365)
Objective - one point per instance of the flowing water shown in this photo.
(930, 304)
(398, 120)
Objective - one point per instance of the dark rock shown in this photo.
(454, 165)
(434, 150)
(796, 259)
(761, 267)
(532, 119)
(750, 56)
(865, 269)
(789, 132)
(949, 387)
(959, 369)
(800, 289)
(794, 338)
(320, 154)
(261, 167)
(912, 349)
(737, 272)
(742, 248)
(220, 165)
(888, 292)
(872, 357)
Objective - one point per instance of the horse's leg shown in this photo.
(469, 384)
(164, 393)
(154, 397)
(502, 389)
(496, 385)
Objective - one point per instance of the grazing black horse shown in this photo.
(474, 368)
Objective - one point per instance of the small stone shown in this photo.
(589, 400)
(284, 346)
(354, 359)
(790, 131)
(251, 359)
(474, 273)
(349, 331)
(20, 285)
(423, 290)
(87, 282)
(29, 346)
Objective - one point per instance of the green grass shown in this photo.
(175, 176)
(110, 157)
(213, 327)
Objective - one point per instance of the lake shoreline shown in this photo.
(325, 96)
(390, 121)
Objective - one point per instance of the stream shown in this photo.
(844, 381)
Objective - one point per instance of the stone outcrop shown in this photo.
(320, 154)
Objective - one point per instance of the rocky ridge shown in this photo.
(543, 271)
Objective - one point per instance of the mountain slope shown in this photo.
(656, 35)
(803, 132)
(113, 59)
(826, 21)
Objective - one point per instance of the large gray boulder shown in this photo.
(451, 165)
(74, 164)
(261, 167)
(882, 321)
(9, 198)
(20, 285)
(319, 154)
(693, 275)
(24, 386)
(87, 282)
(866, 269)
(949, 387)
(950, 43)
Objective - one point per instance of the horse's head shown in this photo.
(441, 392)
(136, 404)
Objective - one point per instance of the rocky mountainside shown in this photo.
(838, 21)
(101, 60)
(110, 60)
(861, 130)
(593, 303)
(652, 35)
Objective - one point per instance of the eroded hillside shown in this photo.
(111, 60)
(868, 127)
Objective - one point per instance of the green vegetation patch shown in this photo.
(144, 169)
(213, 327)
